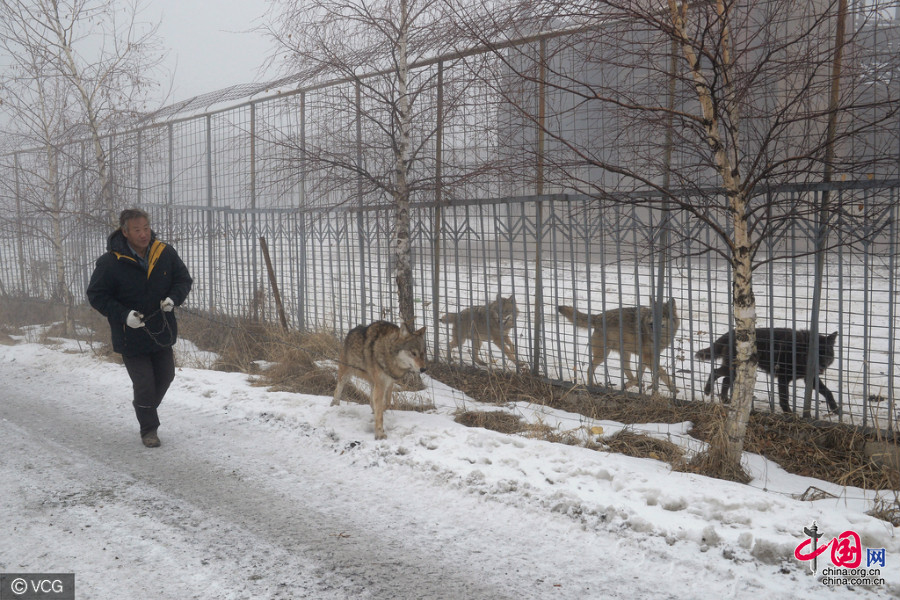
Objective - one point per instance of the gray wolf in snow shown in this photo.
(782, 353)
(381, 353)
(492, 321)
(628, 330)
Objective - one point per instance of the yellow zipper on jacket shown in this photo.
(155, 252)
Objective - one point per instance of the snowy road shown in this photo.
(215, 514)
(264, 495)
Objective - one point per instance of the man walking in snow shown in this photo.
(135, 285)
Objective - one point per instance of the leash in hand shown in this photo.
(165, 306)
(154, 335)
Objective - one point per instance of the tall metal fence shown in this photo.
(333, 270)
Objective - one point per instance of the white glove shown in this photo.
(135, 319)
(166, 305)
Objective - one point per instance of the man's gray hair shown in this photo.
(132, 213)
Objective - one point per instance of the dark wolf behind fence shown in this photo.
(628, 331)
(783, 354)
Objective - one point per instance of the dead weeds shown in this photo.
(495, 420)
(297, 363)
(635, 444)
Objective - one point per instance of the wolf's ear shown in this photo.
(671, 307)
(832, 337)
(420, 332)
(404, 330)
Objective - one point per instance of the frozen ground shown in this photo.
(258, 494)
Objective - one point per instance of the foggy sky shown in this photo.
(209, 44)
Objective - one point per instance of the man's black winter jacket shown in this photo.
(120, 284)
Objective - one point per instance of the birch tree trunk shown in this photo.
(722, 139)
(63, 293)
(745, 360)
(401, 244)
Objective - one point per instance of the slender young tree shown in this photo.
(39, 185)
(370, 46)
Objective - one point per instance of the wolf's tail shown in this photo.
(576, 316)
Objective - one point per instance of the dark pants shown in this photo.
(150, 375)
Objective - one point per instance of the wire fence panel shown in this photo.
(334, 271)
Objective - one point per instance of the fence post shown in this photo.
(302, 200)
(20, 224)
(170, 190)
(253, 156)
(822, 216)
(139, 167)
(209, 214)
(892, 326)
(301, 293)
(360, 222)
(254, 218)
(108, 191)
(664, 226)
(438, 213)
(539, 214)
(301, 219)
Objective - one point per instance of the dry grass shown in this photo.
(643, 446)
(17, 314)
(713, 462)
(295, 357)
(495, 420)
(831, 452)
(542, 431)
(495, 387)
(887, 509)
(241, 344)
(238, 342)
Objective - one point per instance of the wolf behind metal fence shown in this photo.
(334, 271)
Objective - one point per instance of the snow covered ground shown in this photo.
(258, 494)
